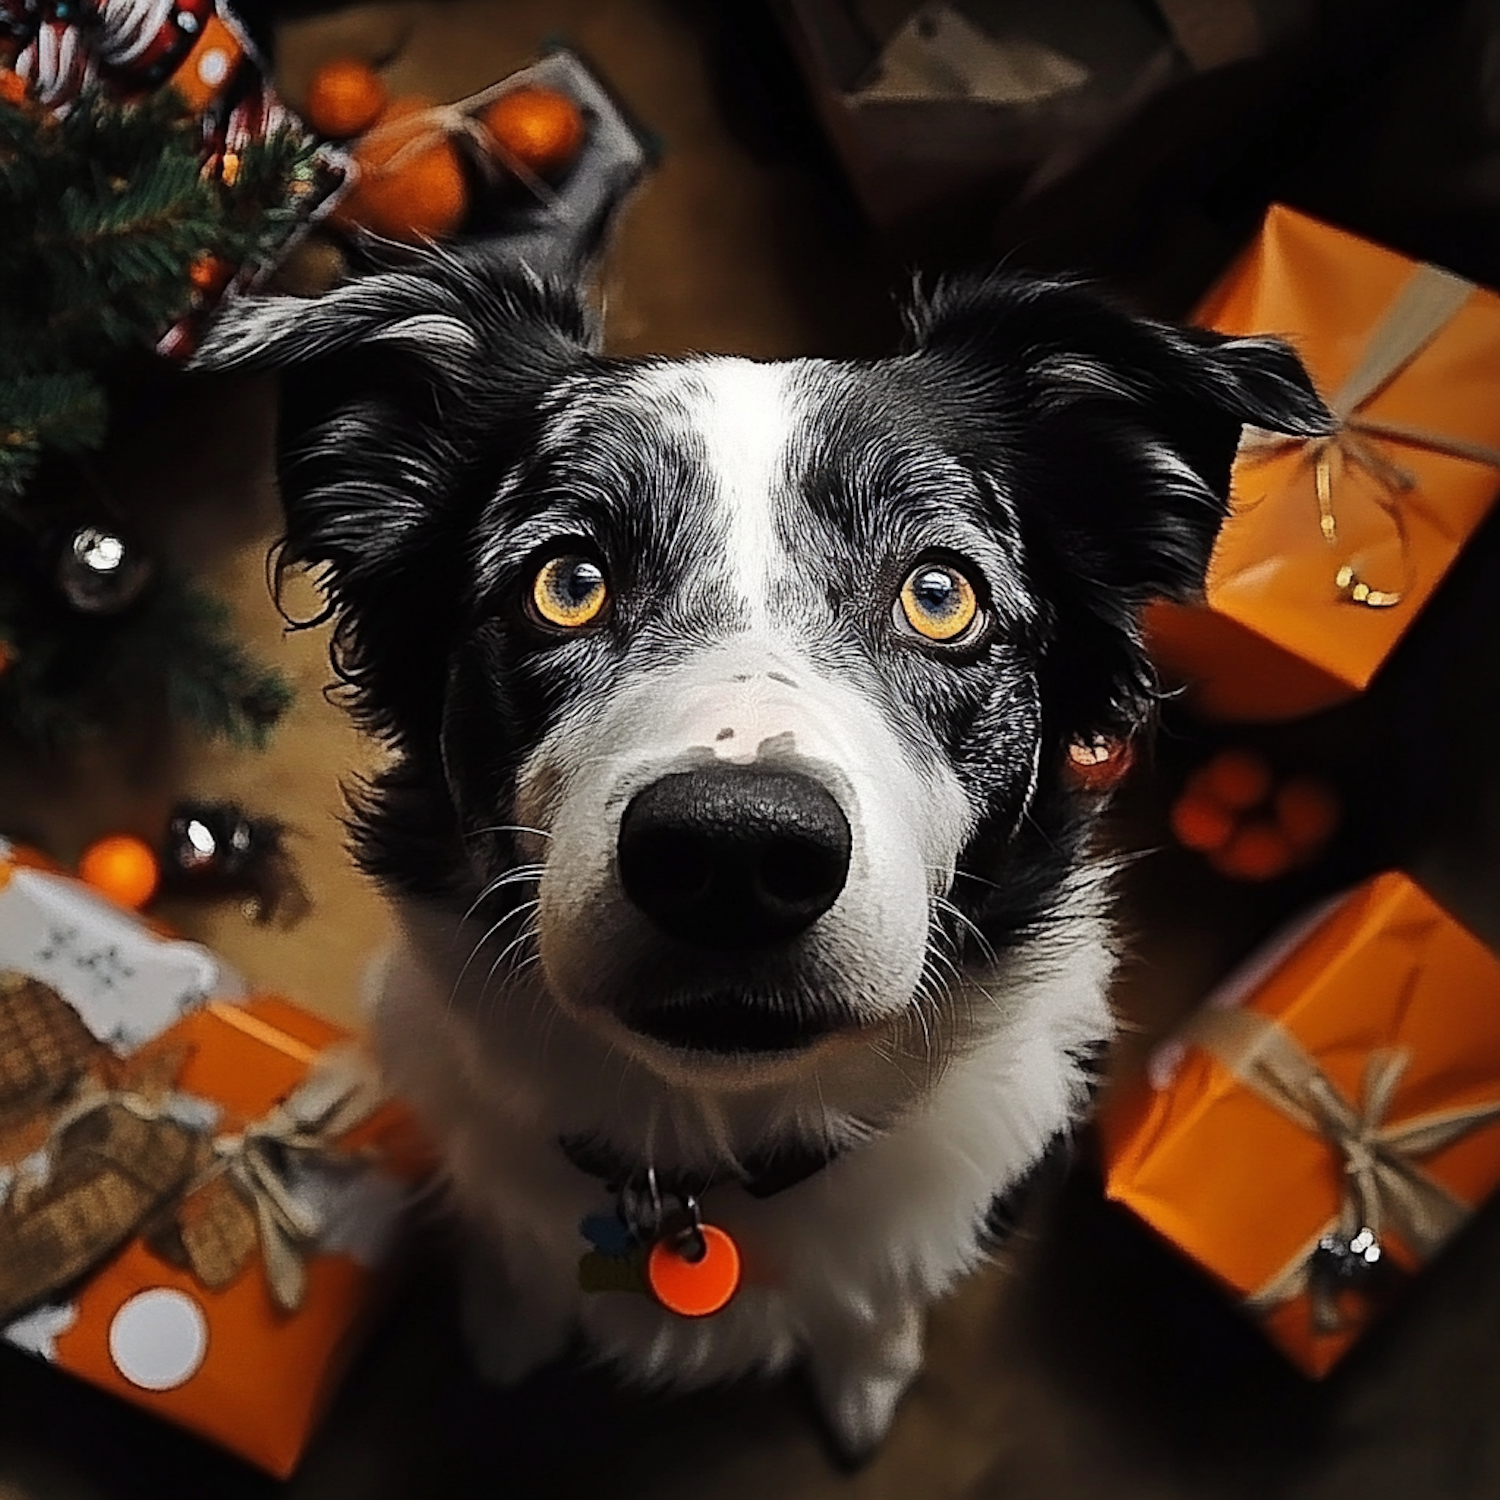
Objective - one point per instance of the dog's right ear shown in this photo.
(405, 397)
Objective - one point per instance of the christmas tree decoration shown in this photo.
(73, 674)
(146, 168)
(129, 230)
(99, 571)
(541, 159)
(123, 868)
(1099, 765)
(215, 849)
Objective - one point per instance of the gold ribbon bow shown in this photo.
(1426, 304)
(1383, 1185)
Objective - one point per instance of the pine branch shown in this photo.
(75, 675)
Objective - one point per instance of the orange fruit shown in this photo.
(122, 868)
(540, 128)
(1201, 825)
(344, 98)
(411, 182)
(1237, 778)
(1257, 852)
(1307, 812)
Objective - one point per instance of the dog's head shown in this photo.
(741, 689)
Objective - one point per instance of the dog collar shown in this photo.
(657, 1240)
(762, 1175)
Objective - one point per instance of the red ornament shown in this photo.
(1099, 765)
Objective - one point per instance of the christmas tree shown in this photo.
(113, 229)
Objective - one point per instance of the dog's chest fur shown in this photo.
(888, 1225)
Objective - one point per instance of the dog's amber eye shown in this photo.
(938, 602)
(569, 591)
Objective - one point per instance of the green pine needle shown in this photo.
(75, 675)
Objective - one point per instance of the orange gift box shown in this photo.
(234, 1362)
(1334, 545)
(1327, 1120)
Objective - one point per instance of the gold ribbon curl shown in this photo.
(1383, 1186)
(1425, 305)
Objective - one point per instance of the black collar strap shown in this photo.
(762, 1176)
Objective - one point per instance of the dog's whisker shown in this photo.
(493, 932)
(514, 875)
(541, 833)
(526, 908)
(967, 924)
(526, 934)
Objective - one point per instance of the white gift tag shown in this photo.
(127, 983)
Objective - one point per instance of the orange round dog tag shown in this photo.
(694, 1287)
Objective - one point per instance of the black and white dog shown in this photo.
(738, 874)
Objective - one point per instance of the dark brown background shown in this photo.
(1089, 1363)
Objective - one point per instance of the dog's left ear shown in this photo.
(1112, 437)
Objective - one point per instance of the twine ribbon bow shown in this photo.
(262, 1162)
(1426, 304)
(1383, 1186)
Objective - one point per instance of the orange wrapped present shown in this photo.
(1334, 544)
(196, 1225)
(1327, 1120)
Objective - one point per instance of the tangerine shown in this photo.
(1201, 825)
(344, 98)
(411, 183)
(1307, 812)
(1238, 779)
(540, 128)
(122, 868)
(1259, 851)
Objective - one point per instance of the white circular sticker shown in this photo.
(213, 67)
(158, 1339)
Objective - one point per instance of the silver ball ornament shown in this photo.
(101, 572)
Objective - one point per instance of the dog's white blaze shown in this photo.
(744, 415)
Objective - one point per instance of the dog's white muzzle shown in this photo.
(742, 856)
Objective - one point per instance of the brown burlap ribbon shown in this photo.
(1383, 1185)
(123, 1162)
(1426, 304)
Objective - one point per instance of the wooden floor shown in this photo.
(1088, 1364)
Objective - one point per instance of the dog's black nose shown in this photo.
(733, 855)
